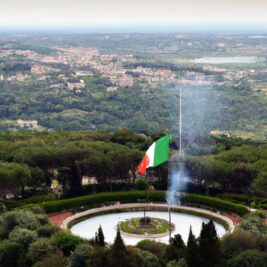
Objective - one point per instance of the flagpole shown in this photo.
(180, 123)
(146, 198)
(170, 223)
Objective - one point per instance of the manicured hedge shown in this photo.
(257, 202)
(11, 204)
(90, 201)
(93, 200)
(216, 203)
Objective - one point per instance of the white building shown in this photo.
(27, 123)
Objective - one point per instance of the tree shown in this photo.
(46, 230)
(13, 178)
(20, 218)
(209, 246)
(100, 257)
(143, 258)
(22, 175)
(110, 161)
(65, 241)
(156, 248)
(242, 176)
(125, 137)
(80, 255)
(141, 184)
(38, 249)
(64, 177)
(23, 236)
(119, 252)
(180, 263)
(55, 259)
(37, 178)
(248, 258)
(192, 250)
(100, 238)
(176, 249)
(260, 183)
(10, 253)
(240, 240)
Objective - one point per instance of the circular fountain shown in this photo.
(86, 223)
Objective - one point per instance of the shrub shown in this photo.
(176, 249)
(39, 199)
(148, 259)
(141, 184)
(143, 258)
(39, 249)
(237, 242)
(55, 259)
(23, 236)
(46, 230)
(180, 263)
(11, 204)
(65, 241)
(90, 201)
(255, 222)
(21, 218)
(103, 257)
(257, 202)
(248, 258)
(214, 203)
(10, 253)
(145, 220)
(152, 246)
(42, 219)
(80, 255)
(37, 210)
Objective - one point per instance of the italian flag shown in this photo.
(156, 154)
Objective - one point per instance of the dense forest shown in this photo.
(140, 108)
(30, 161)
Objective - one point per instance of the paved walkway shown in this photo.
(151, 206)
(58, 218)
(236, 219)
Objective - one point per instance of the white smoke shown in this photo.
(176, 183)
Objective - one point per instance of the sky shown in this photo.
(123, 13)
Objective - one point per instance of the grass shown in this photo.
(133, 226)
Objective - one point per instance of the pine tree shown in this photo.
(100, 237)
(96, 238)
(209, 246)
(192, 250)
(176, 249)
(119, 252)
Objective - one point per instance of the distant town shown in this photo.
(180, 60)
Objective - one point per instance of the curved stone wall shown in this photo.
(149, 207)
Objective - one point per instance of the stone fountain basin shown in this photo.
(86, 223)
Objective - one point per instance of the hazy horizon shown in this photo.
(153, 29)
(138, 15)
